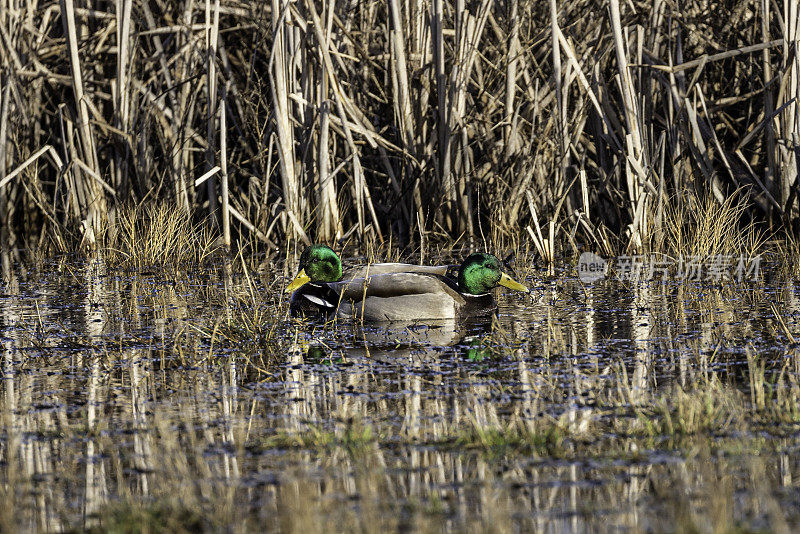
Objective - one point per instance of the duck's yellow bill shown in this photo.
(510, 283)
(298, 281)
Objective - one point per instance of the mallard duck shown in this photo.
(396, 292)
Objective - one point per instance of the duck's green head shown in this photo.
(318, 264)
(481, 272)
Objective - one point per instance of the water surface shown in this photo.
(192, 400)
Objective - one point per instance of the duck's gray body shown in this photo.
(389, 295)
(374, 269)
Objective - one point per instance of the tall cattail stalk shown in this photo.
(122, 100)
(5, 206)
(442, 128)
(212, 38)
(510, 135)
(401, 87)
(633, 148)
(769, 129)
(279, 64)
(329, 225)
(790, 92)
(183, 113)
(93, 205)
(558, 87)
(223, 173)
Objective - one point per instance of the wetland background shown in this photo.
(162, 163)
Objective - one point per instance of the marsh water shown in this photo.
(193, 401)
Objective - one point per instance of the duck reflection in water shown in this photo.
(418, 342)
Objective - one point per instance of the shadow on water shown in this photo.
(192, 401)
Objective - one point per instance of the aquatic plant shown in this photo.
(699, 225)
(149, 236)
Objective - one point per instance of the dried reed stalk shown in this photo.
(790, 92)
(223, 173)
(93, 207)
(635, 155)
(212, 43)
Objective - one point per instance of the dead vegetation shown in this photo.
(324, 120)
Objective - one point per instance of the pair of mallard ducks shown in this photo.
(396, 291)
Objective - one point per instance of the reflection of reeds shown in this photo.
(330, 120)
(185, 406)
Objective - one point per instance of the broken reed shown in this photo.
(325, 120)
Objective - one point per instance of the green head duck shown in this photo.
(481, 272)
(318, 264)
